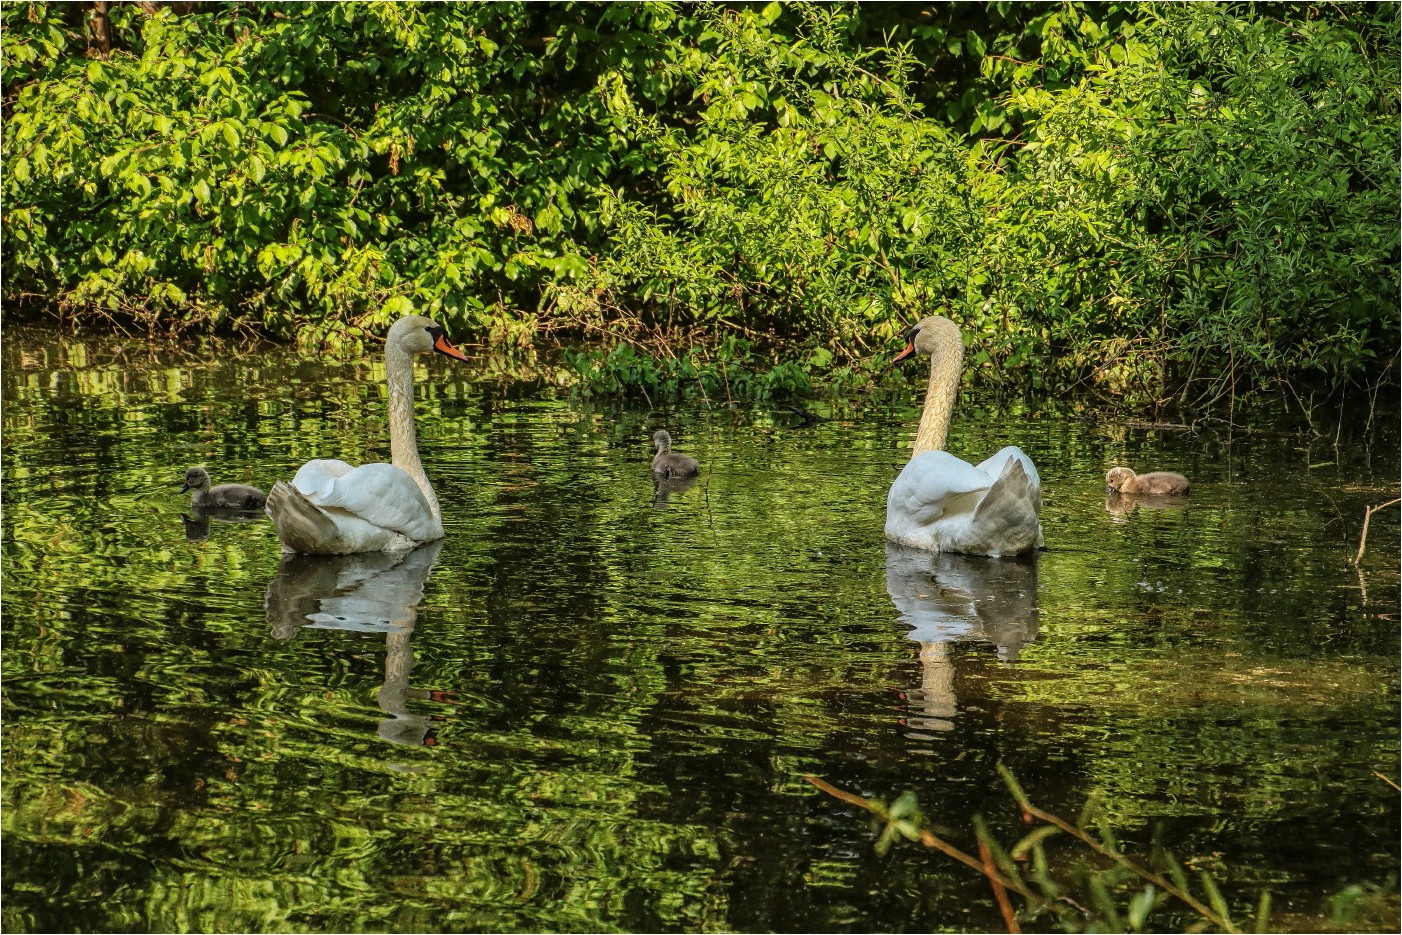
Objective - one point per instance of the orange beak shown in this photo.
(909, 349)
(442, 345)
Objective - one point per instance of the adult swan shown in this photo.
(331, 508)
(942, 504)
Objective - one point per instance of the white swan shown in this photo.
(331, 508)
(942, 504)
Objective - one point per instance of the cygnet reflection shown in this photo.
(946, 598)
(1120, 505)
(664, 487)
(372, 592)
(196, 522)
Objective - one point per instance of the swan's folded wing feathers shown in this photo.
(384, 495)
(317, 478)
(931, 482)
(1008, 511)
(996, 465)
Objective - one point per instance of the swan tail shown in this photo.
(1008, 511)
(301, 525)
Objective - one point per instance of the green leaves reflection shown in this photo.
(636, 690)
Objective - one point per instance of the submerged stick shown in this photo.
(1368, 512)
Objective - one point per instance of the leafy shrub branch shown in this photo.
(1156, 201)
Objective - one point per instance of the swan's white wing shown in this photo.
(1005, 521)
(317, 478)
(995, 465)
(943, 504)
(380, 494)
(931, 484)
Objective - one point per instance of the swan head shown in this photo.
(197, 478)
(415, 334)
(1116, 478)
(925, 336)
(662, 440)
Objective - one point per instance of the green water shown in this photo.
(592, 706)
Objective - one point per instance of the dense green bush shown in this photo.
(1152, 199)
(304, 165)
(1213, 199)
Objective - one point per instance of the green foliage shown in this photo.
(1215, 199)
(1152, 200)
(1097, 888)
(311, 163)
(1209, 200)
(805, 198)
(734, 369)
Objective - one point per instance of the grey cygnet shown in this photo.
(225, 496)
(667, 463)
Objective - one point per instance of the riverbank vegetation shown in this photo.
(1176, 201)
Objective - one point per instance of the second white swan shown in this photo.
(942, 504)
(331, 508)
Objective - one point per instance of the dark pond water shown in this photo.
(592, 706)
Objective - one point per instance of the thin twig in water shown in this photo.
(1141, 872)
(999, 893)
(1388, 781)
(929, 839)
(1367, 516)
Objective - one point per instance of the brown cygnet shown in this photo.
(667, 463)
(1155, 483)
(226, 496)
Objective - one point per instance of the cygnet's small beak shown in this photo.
(185, 486)
(909, 349)
(1110, 490)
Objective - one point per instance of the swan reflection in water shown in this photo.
(946, 598)
(1120, 505)
(369, 592)
(196, 522)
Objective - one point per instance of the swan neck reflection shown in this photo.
(946, 598)
(367, 592)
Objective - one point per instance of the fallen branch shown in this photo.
(999, 892)
(1224, 924)
(1368, 515)
(930, 840)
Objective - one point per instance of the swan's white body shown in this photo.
(371, 508)
(332, 508)
(942, 504)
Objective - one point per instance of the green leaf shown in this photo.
(1139, 908)
(397, 307)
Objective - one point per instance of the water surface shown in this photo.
(591, 707)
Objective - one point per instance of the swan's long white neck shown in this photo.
(403, 441)
(941, 336)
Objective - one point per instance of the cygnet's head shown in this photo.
(196, 478)
(662, 440)
(419, 335)
(1116, 478)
